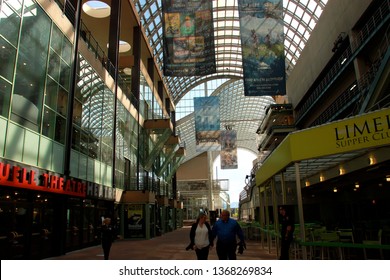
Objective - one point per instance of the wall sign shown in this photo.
(21, 177)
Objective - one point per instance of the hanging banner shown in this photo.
(262, 43)
(207, 123)
(229, 149)
(188, 36)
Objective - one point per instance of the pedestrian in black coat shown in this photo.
(108, 236)
(286, 233)
(201, 239)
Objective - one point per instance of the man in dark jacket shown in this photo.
(226, 230)
(108, 236)
(286, 233)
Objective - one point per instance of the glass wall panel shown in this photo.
(7, 58)
(5, 93)
(51, 93)
(10, 21)
(76, 138)
(77, 112)
(96, 110)
(54, 65)
(66, 53)
(60, 129)
(56, 39)
(48, 126)
(56, 94)
(40, 84)
(62, 101)
(65, 75)
(121, 145)
(31, 67)
(108, 119)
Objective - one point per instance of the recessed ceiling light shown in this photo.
(96, 9)
(123, 46)
(127, 71)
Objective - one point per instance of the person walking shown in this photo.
(201, 239)
(226, 230)
(108, 236)
(286, 233)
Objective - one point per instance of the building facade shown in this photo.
(332, 167)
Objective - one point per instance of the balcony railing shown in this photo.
(362, 37)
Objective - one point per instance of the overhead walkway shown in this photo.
(170, 246)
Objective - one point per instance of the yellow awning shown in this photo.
(369, 130)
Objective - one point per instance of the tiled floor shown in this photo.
(170, 246)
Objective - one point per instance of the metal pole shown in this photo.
(72, 89)
(300, 209)
(211, 204)
(284, 194)
(261, 218)
(275, 214)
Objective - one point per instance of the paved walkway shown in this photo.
(170, 246)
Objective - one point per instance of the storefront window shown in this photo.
(135, 221)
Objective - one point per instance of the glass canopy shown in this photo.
(238, 112)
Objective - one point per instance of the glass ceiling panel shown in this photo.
(300, 18)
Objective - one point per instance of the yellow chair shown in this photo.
(346, 236)
(374, 242)
(326, 252)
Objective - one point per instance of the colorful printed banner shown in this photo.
(262, 42)
(229, 149)
(207, 123)
(188, 38)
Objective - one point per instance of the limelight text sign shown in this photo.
(367, 131)
(361, 132)
(370, 130)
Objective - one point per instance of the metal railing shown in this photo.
(361, 37)
(93, 46)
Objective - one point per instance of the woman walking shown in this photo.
(201, 238)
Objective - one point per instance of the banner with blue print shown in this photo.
(207, 123)
(228, 152)
(262, 42)
(188, 37)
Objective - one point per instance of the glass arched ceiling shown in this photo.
(243, 114)
(237, 112)
(300, 17)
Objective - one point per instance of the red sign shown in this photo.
(15, 176)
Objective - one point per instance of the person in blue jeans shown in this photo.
(226, 230)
